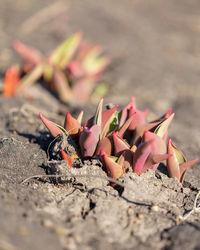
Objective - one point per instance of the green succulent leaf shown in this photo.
(98, 114)
(95, 66)
(63, 54)
(62, 129)
(113, 158)
(161, 130)
(100, 91)
(48, 73)
(114, 122)
(178, 154)
(30, 78)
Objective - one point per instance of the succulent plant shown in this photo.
(71, 70)
(123, 140)
(177, 164)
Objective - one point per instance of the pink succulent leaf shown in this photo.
(71, 125)
(76, 69)
(140, 157)
(167, 114)
(93, 52)
(54, 129)
(82, 52)
(119, 144)
(62, 86)
(114, 169)
(158, 145)
(128, 111)
(105, 144)
(124, 115)
(139, 131)
(125, 126)
(154, 160)
(82, 89)
(88, 140)
(64, 52)
(184, 166)
(29, 54)
(172, 163)
(106, 120)
(139, 118)
(177, 165)
(163, 117)
(159, 158)
(187, 164)
(162, 128)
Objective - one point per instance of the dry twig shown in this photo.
(195, 209)
(75, 176)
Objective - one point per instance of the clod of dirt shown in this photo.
(62, 142)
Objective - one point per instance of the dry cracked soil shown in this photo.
(155, 51)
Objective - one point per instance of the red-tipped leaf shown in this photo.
(157, 146)
(28, 53)
(51, 126)
(66, 157)
(140, 157)
(119, 144)
(88, 140)
(114, 169)
(71, 125)
(105, 144)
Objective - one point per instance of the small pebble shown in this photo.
(155, 208)
(47, 223)
(140, 216)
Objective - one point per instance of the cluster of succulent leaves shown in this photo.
(71, 70)
(123, 140)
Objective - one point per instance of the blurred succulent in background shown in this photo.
(11, 80)
(71, 71)
(123, 140)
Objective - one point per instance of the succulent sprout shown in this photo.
(177, 164)
(70, 71)
(111, 136)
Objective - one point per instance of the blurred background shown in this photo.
(154, 46)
